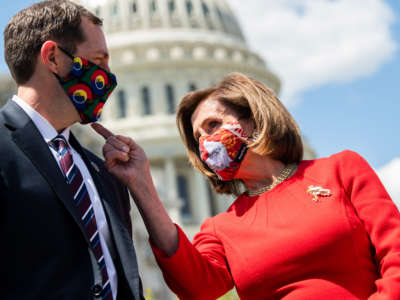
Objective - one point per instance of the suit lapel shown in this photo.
(29, 140)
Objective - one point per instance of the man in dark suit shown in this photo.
(64, 220)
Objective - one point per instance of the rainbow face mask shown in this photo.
(88, 86)
(224, 150)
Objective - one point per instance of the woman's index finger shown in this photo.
(100, 129)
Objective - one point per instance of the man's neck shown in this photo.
(47, 105)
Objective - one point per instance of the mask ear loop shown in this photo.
(66, 52)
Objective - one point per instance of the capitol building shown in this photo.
(160, 50)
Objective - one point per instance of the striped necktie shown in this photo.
(85, 209)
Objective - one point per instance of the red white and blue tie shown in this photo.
(84, 207)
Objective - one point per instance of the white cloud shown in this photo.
(314, 42)
(389, 174)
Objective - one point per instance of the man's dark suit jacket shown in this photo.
(44, 250)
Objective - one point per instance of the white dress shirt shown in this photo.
(48, 133)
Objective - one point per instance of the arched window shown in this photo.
(189, 7)
(122, 104)
(183, 193)
(171, 6)
(192, 87)
(169, 90)
(146, 101)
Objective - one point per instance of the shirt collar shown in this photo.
(47, 131)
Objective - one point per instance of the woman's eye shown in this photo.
(213, 124)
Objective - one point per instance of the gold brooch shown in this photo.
(317, 191)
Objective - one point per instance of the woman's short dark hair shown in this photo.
(24, 35)
(276, 132)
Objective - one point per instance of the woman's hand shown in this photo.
(127, 161)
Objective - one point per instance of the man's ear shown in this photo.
(50, 57)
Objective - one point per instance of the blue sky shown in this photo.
(361, 113)
(343, 84)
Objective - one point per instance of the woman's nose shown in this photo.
(202, 132)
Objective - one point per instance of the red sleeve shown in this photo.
(381, 219)
(196, 271)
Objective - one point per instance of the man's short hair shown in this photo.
(24, 35)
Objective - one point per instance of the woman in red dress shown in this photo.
(301, 230)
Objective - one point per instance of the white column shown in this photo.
(110, 109)
(163, 12)
(143, 6)
(181, 89)
(196, 14)
(106, 16)
(173, 203)
(157, 96)
(133, 98)
(182, 13)
(124, 11)
(200, 200)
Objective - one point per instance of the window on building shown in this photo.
(171, 6)
(115, 9)
(231, 23)
(122, 104)
(189, 7)
(146, 101)
(206, 11)
(134, 7)
(169, 90)
(153, 6)
(221, 18)
(192, 87)
(183, 193)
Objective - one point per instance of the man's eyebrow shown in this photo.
(103, 53)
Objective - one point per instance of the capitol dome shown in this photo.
(179, 15)
(182, 33)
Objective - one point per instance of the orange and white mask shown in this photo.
(224, 150)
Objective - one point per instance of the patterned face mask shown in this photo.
(224, 150)
(88, 86)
